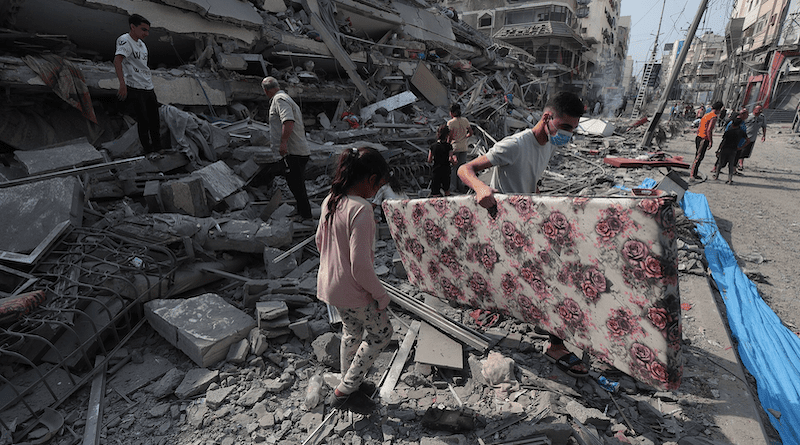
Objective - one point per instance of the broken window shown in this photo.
(485, 21)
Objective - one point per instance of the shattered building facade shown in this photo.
(607, 35)
(701, 69)
(543, 34)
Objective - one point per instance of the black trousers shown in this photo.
(727, 157)
(296, 180)
(144, 106)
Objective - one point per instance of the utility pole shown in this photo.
(648, 135)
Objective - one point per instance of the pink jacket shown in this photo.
(346, 276)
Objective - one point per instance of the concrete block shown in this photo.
(237, 353)
(166, 385)
(238, 200)
(258, 342)
(236, 235)
(219, 180)
(301, 329)
(588, 416)
(274, 324)
(73, 154)
(326, 349)
(186, 196)
(270, 310)
(34, 210)
(202, 327)
(248, 169)
(196, 382)
(276, 232)
(152, 196)
(126, 146)
(282, 267)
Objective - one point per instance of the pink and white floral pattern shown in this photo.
(599, 272)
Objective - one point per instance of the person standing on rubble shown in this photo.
(346, 279)
(520, 161)
(136, 84)
(705, 137)
(287, 132)
(460, 130)
(439, 155)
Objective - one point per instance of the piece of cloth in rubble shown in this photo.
(191, 135)
(499, 373)
(11, 308)
(66, 80)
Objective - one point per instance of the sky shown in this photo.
(678, 17)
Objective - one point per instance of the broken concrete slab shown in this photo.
(220, 180)
(241, 236)
(73, 154)
(136, 375)
(167, 383)
(126, 146)
(186, 196)
(392, 103)
(436, 348)
(202, 327)
(37, 209)
(595, 127)
(238, 352)
(270, 310)
(196, 382)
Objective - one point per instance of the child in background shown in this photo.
(726, 153)
(390, 190)
(439, 155)
(346, 278)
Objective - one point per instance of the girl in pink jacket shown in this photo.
(347, 280)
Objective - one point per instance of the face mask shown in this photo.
(561, 138)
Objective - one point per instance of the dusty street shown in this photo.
(758, 214)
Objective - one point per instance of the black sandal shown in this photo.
(566, 362)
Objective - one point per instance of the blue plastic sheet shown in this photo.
(769, 350)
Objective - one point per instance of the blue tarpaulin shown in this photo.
(769, 350)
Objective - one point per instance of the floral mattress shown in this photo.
(600, 273)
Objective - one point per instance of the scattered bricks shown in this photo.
(301, 329)
(202, 327)
(186, 196)
(326, 349)
(588, 416)
(238, 352)
(196, 382)
(167, 384)
(258, 342)
(270, 310)
(215, 398)
(251, 397)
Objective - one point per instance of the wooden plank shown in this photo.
(400, 360)
(436, 348)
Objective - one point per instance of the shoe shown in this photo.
(728, 182)
(568, 363)
(367, 388)
(357, 402)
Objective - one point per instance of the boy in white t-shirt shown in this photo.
(135, 83)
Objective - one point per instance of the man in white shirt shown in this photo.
(520, 161)
(135, 84)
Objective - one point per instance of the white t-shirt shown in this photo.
(519, 162)
(134, 64)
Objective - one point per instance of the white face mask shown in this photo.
(561, 137)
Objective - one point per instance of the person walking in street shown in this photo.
(753, 123)
(288, 133)
(347, 280)
(705, 138)
(728, 148)
(460, 131)
(136, 84)
(520, 161)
